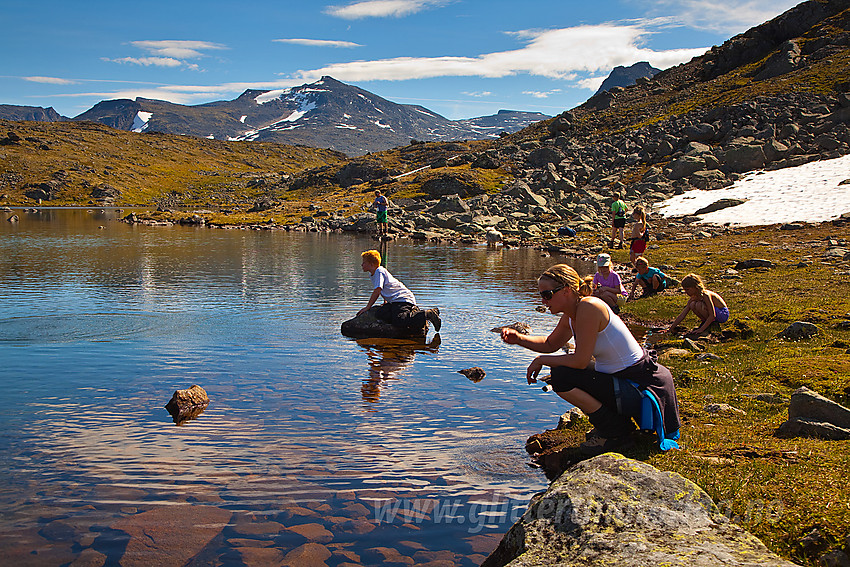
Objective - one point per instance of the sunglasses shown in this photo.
(547, 294)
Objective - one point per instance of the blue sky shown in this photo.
(460, 58)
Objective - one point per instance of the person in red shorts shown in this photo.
(639, 230)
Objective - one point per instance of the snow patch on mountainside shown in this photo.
(140, 121)
(271, 95)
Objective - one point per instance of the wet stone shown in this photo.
(260, 556)
(312, 532)
(388, 556)
(308, 555)
(89, 558)
(170, 535)
(258, 528)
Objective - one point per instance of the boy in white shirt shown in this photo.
(400, 307)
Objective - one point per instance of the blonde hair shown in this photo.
(641, 212)
(641, 260)
(694, 281)
(373, 256)
(565, 275)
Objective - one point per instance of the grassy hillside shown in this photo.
(147, 169)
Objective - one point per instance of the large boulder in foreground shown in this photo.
(366, 325)
(611, 510)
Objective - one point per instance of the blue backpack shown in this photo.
(649, 416)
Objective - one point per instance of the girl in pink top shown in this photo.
(607, 285)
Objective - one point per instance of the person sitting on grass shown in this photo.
(651, 280)
(597, 376)
(607, 285)
(399, 306)
(705, 304)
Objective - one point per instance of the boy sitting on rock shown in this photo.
(400, 307)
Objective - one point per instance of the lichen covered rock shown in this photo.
(611, 510)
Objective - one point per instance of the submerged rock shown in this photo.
(611, 510)
(187, 404)
(170, 535)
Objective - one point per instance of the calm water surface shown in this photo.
(375, 451)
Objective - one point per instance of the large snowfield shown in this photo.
(808, 193)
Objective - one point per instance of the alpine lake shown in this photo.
(314, 447)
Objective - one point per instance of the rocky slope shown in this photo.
(776, 96)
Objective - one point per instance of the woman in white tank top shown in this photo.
(601, 335)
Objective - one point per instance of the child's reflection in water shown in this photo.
(388, 358)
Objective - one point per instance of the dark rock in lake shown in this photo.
(475, 374)
(187, 404)
(516, 326)
(611, 510)
(366, 325)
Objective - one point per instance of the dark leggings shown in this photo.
(401, 314)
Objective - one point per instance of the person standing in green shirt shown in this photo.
(618, 219)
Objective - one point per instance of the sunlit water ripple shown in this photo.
(98, 327)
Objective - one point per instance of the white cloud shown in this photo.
(319, 42)
(148, 61)
(477, 94)
(181, 49)
(556, 54)
(379, 8)
(592, 83)
(50, 80)
(728, 17)
(168, 53)
(541, 94)
(187, 94)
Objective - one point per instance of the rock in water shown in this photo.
(187, 404)
(170, 535)
(516, 326)
(611, 510)
(367, 326)
(475, 374)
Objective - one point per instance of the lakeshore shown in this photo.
(735, 457)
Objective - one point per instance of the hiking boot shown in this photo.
(433, 315)
(598, 445)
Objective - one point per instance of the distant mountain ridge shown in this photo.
(35, 113)
(325, 114)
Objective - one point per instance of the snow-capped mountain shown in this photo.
(326, 114)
